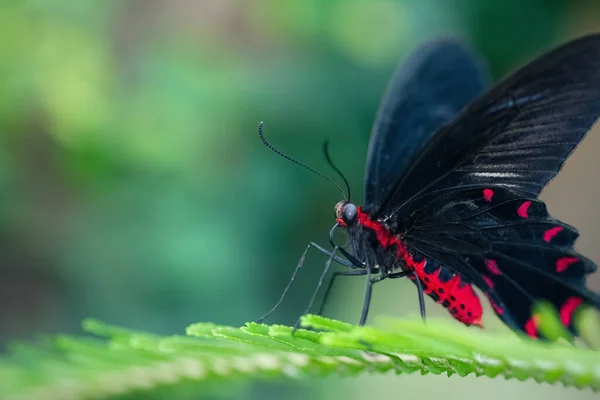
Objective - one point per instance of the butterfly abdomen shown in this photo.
(440, 283)
(447, 288)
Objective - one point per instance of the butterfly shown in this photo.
(454, 171)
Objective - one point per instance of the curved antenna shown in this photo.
(270, 147)
(326, 151)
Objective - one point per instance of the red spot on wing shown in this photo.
(488, 281)
(565, 262)
(523, 209)
(492, 266)
(496, 307)
(551, 233)
(567, 310)
(488, 194)
(531, 326)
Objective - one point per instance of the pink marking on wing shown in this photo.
(551, 233)
(497, 308)
(565, 262)
(492, 266)
(523, 209)
(488, 281)
(531, 326)
(567, 310)
(488, 194)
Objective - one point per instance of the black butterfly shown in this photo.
(453, 178)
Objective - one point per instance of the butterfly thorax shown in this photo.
(377, 245)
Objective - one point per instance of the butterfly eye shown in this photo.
(349, 214)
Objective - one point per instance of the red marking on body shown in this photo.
(488, 194)
(488, 281)
(567, 310)
(460, 297)
(523, 209)
(383, 235)
(531, 326)
(340, 221)
(565, 262)
(492, 266)
(551, 233)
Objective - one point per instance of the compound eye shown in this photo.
(349, 214)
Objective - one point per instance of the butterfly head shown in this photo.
(346, 213)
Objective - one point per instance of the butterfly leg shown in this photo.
(336, 258)
(367, 300)
(368, 292)
(402, 274)
(316, 291)
(369, 288)
(421, 297)
(350, 262)
(335, 275)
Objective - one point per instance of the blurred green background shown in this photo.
(134, 189)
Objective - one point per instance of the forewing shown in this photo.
(508, 246)
(469, 201)
(427, 91)
(517, 135)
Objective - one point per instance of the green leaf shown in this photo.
(119, 362)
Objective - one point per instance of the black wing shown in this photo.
(508, 246)
(469, 201)
(427, 91)
(517, 135)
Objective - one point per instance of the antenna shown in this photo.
(279, 153)
(336, 169)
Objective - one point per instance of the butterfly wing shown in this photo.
(508, 246)
(469, 201)
(427, 91)
(517, 135)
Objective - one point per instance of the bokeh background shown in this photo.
(134, 189)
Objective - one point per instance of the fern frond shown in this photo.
(131, 362)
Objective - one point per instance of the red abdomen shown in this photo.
(447, 289)
(439, 282)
